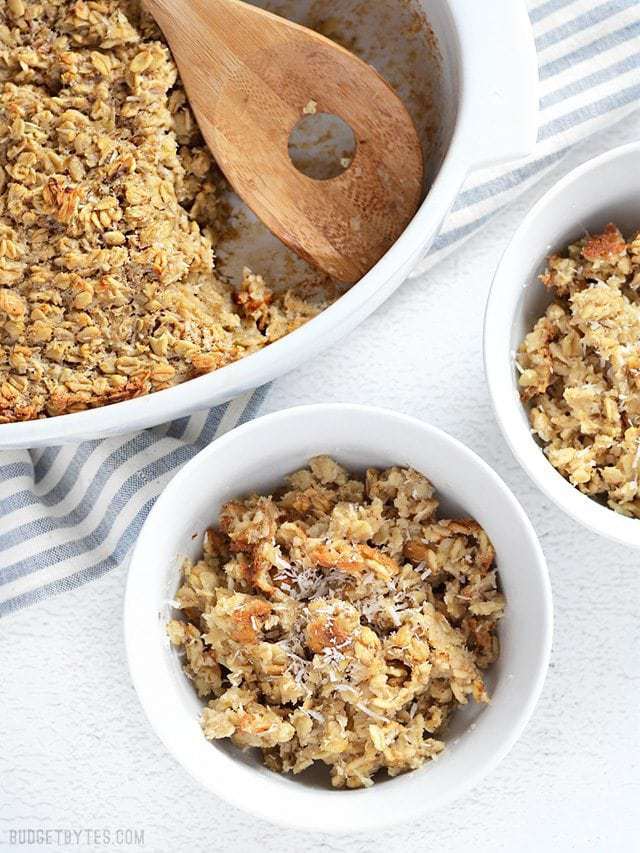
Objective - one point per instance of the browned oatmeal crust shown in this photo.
(580, 368)
(339, 621)
(109, 208)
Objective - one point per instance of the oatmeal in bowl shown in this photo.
(561, 344)
(341, 620)
(345, 624)
(580, 368)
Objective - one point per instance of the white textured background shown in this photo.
(75, 748)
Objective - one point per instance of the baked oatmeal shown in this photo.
(580, 368)
(340, 620)
(110, 207)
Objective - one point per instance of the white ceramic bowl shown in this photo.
(256, 456)
(484, 99)
(605, 189)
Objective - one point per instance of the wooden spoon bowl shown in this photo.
(249, 76)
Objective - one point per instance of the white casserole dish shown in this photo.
(486, 105)
(257, 456)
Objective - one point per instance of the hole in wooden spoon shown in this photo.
(321, 146)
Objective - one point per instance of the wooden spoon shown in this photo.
(249, 76)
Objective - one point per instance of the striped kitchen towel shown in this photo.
(70, 514)
(589, 70)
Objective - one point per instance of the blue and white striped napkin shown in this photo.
(589, 70)
(70, 514)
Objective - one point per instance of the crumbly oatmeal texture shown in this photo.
(580, 368)
(339, 621)
(109, 208)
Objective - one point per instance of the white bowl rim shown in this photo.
(519, 719)
(507, 406)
